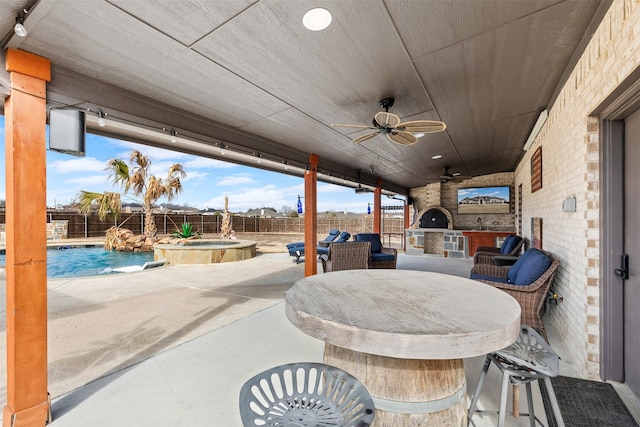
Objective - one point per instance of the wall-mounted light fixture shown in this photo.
(19, 28)
(299, 205)
(172, 133)
(101, 122)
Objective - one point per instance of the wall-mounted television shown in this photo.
(484, 200)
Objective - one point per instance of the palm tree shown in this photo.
(137, 182)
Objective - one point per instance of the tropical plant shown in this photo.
(186, 231)
(138, 184)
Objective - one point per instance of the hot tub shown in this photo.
(205, 251)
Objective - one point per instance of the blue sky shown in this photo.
(207, 182)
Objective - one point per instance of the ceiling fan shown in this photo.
(447, 176)
(389, 124)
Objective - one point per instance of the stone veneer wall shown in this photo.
(56, 230)
(570, 168)
(446, 195)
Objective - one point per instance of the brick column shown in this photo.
(26, 269)
(311, 217)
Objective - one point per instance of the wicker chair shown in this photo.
(346, 256)
(380, 257)
(485, 254)
(532, 298)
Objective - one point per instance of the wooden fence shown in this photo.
(91, 226)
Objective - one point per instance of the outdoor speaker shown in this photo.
(67, 131)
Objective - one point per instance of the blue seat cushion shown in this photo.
(379, 256)
(534, 267)
(508, 244)
(515, 268)
(320, 250)
(333, 233)
(343, 237)
(490, 278)
(373, 238)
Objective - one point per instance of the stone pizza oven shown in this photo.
(433, 234)
(435, 217)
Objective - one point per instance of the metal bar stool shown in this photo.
(305, 395)
(528, 359)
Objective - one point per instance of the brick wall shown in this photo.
(446, 195)
(570, 168)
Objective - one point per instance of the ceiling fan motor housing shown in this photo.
(387, 103)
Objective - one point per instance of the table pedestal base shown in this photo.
(407, 392)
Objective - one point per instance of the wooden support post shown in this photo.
(311, 217)
(406, 224)
(377, 208)
(26, 269)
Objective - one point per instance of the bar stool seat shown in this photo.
(528, 359)
(305, 395)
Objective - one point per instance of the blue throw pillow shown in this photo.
(534, 267)
(374, 238)
(509, 244)
(512, 274)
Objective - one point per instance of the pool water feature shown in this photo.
(205, 251)
(77, 261)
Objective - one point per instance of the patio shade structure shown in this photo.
(241, 80)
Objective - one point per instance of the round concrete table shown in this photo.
(404, 334)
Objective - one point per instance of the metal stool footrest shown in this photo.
(528, 359)
(305, 395)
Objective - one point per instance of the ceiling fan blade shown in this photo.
(352, 126)
(386, 119)
(402, 138)
(425, 126)
(364, 137)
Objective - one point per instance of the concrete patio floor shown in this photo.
(172, 346)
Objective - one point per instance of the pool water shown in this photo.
(76, 261)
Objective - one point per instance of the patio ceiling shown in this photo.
(247, 74)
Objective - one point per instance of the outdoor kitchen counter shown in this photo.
(404, 334)
(477, 238)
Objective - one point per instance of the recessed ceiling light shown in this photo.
(317, 19)
(436, 157)
(419, 134)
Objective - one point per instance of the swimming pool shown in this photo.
(76, 261)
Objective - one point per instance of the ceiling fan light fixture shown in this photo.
(19, 28)
(317, 19)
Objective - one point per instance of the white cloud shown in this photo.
(195, 176)
(331, 188)
(237, 179)
(86, 164)
(251, 198)
(88, 181)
